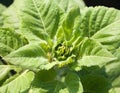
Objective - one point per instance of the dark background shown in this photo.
(108, 3)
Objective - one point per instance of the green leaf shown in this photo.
(41, 86)
(44, 73)
(70, 22)
(31, 56)
(92, 53)
(11, 18)
(52, 87)
(73, 83)
(95, 83)
(57, 86)
(10, 41)
(2, 8)
(4, 72)
(117, 53)
(40, 19)
(101, 23)
(115, 82)
(67, 5)
(109, 36)
(94, 79)
(112, 91)
(115, 90)
(19, 84)
(37, 90)
(113, 70)
(94, 19)
(4, 50)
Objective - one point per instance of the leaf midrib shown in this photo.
(35, 5)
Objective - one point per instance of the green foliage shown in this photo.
(2, 9)
(59, 46)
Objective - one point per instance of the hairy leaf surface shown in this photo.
(10, 41)
(19, 84)
(2, 8)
